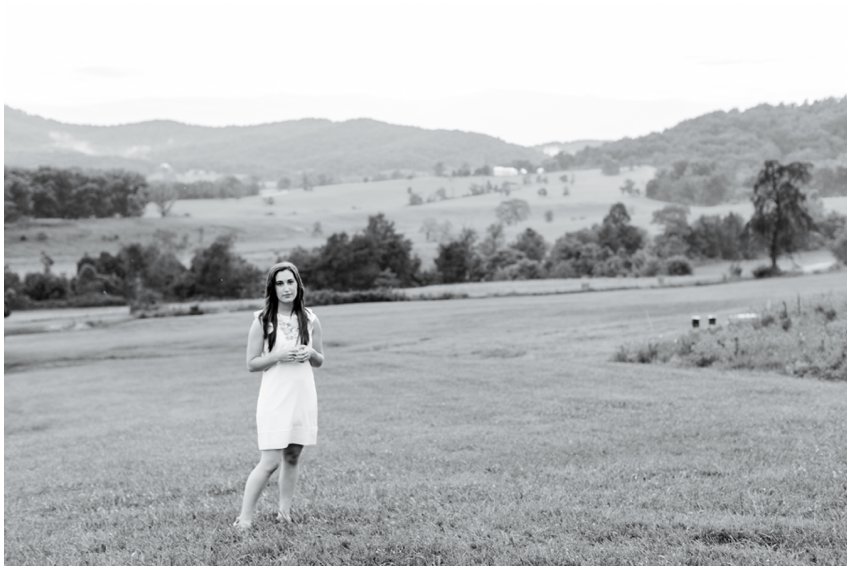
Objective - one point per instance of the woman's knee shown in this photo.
(292, 453)
(269, 461)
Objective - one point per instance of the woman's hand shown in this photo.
(300, 353)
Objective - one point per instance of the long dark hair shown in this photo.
(269, 314)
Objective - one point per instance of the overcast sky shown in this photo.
(527, 71)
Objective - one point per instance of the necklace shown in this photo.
(289, 329)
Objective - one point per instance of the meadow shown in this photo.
(271, 225)
(470, 431)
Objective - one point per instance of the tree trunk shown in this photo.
(773, 250)
(778, 220)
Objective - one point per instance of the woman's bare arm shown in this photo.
(254, 350)
(317, 358)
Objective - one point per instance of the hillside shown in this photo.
(739, 140)
(354, 148)
(271, 225)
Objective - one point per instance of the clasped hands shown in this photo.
(300, 353)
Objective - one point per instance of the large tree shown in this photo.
(780, 215)
(532, 244)
(456, 261)
(616, 231)
(512, 211)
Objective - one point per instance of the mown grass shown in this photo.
(798, 337)
(478, 431)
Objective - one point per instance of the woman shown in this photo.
(285, 342)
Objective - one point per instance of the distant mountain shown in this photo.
(360, 147)
(739, 140)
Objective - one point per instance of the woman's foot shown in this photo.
(241, 524)
(283, 516)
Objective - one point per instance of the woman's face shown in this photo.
(286, 287)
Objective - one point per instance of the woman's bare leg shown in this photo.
(287, 479)
(269, 460)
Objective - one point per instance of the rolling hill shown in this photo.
(354, 148)
(814, 132)
(272, 224)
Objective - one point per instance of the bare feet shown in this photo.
(240, 524)
(283, 516)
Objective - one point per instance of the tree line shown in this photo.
(380, 257)
(141, 275)
(49, 192)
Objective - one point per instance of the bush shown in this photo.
(735, 270)
(678, 265)
(651, 268)
(11, 280)
(808, 341)
(144, 299)
(218, 272)
(16, 300)
(91, 299)
(523, 270)
(839, 249)
(320, 297)
(764, 271)
(44, 286)
(564, 270)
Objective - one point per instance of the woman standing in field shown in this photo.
(284, 342)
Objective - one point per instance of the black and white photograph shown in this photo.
(425, 282)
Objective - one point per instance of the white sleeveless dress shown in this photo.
(286, 406)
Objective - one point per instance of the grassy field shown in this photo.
(266, 230)
(476, 431)
(49, 320)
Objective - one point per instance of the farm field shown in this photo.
(264, 231)
(472, 431)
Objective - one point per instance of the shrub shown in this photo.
(144, 298)
(646, 264)
(564, 270)
(678, 265)
(614, 266)
(92, 299)
(647, 353)
(809, 341)
(43, 286)
(525, 269)
(839, 248)
(220, 273)
(16, 300)
(735, 270)
(764, 271)
(11, 280)
(329, 297)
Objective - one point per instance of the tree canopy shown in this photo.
(780, 216)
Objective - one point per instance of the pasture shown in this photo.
(474, 431)
(265, 230)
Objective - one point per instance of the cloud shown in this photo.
(137, 151)
(67, 142)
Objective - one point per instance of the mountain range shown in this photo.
(357, 148)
